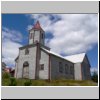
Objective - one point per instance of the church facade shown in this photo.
(36, 61)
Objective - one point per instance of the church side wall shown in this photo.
(43, 74)
(31, 39)
(86, 70)
(30, 58)
(55, 74)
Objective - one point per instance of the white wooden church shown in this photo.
(36, 61)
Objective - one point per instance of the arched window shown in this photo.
(26, 51)
(25, 70)
(25, 63)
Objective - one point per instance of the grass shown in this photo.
(7, 80)
(21, 82)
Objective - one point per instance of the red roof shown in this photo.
(37, 26)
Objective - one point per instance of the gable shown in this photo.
(77, 58)
(86, 60)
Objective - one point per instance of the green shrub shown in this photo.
(28, 83)
(13, 82)
(5, 82)
(5, 75)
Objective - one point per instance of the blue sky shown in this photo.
(66, 34)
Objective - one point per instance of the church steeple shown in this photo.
(37, 25)
(36, 34)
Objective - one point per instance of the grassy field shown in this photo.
(60, 82)
(7, 80)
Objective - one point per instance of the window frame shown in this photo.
(41, 66)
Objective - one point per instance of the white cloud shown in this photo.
(10, 45)
(72, 33)
(11, 35)
(29, 27)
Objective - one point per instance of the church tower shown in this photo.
(36, 34)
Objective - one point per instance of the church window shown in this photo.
(26, 51)
(66, 68)
(60, 67)
(42, 67)
(25, 73)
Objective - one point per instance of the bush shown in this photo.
(13, 82)
(5, 75)
(28, 83)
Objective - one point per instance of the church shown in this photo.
(37, 61)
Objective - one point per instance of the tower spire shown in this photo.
(37, 25)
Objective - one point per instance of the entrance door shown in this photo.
(26, 70)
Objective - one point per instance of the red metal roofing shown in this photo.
(37, 26)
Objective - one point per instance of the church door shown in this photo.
(26, 70)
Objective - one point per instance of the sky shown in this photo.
(65, 34)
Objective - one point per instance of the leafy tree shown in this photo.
(95, 77)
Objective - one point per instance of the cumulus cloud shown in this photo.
(72, 33)
(10, 43)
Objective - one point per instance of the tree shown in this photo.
(95, 77)
(3, 66)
